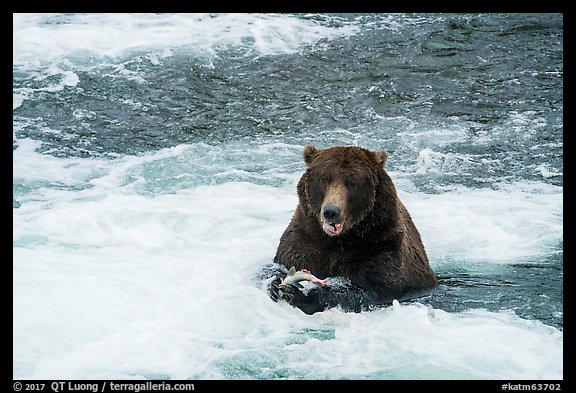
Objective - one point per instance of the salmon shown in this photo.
(294, 277)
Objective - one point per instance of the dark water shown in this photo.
(466, 105)
(433, 71)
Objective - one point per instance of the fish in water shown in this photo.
(294, 277)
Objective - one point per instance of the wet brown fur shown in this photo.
(379, 247)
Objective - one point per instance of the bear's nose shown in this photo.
(331, 212)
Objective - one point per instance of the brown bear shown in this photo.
(350, 224)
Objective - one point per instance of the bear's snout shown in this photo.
(331, 219)
(331, 212)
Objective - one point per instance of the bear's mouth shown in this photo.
(331, 228)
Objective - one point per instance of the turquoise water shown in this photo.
(155, 162)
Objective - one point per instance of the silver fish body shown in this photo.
(294, 277)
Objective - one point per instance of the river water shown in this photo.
(155, 162)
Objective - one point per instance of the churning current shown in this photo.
(155, 162)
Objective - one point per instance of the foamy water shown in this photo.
(112, 282)
(145, 266)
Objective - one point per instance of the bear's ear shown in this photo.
(381, 157)
(309, 154)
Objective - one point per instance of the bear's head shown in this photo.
(342, 185)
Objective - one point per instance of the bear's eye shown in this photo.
(351, 183)
(324, 180)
